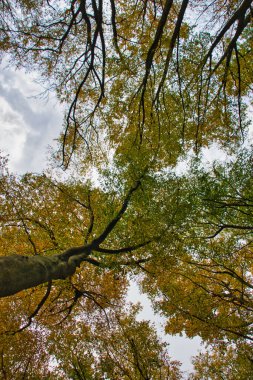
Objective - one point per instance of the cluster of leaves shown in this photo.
(226, 361)
(116, 349)
(142, 70)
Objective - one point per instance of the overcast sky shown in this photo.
(180, 347)
(29, 123)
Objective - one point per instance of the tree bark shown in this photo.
(23, 272)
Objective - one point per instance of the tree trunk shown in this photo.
(23, 272)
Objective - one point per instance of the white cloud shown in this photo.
(28, 123)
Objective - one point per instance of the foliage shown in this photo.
(210, 269)
(144, 85)
(225, 362)
(116, 349)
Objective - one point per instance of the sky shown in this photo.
(29, 124)
(180, 347)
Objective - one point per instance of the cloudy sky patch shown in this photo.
(29, 123)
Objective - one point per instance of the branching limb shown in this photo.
(174, 37)
(239, 16)
(122, 250)
(230, 226)
(35, 312)
(96, 242)
(92, 219)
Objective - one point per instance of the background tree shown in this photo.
(225, 362)
(212, 263)
(113, 349)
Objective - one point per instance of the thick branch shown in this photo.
(175, 36)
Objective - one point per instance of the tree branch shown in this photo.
(96, 242)
(129, 249)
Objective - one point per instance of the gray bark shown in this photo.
(23, 272)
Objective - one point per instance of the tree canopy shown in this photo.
(147, 86)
